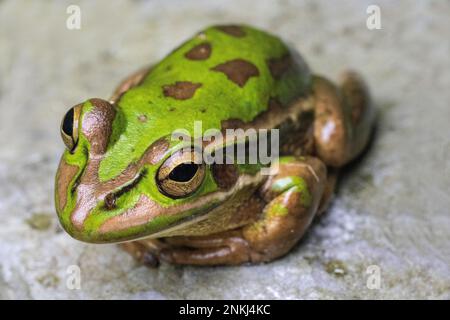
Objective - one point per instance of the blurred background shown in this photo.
(390, 218)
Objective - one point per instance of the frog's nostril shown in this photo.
(110, 201)
(76, 184)
(110, 198)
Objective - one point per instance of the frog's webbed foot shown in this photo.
(344, 118)
(292, 195)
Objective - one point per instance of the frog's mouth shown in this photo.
(155, 221)
(148, 219)
(184, 224)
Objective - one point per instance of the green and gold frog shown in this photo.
(124, 179)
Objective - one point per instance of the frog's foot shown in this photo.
(292, 195)
(343, 118)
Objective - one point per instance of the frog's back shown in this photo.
(224, 72)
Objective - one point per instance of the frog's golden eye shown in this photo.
(69, 127)
(179, 176)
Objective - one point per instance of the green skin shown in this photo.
(217, 99)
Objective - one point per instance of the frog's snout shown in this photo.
(86, 129)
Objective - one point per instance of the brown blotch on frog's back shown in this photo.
(201, 51)
(278, 66)
(238, 71)
(232, 30)
(181, 90)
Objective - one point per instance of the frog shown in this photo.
(123, 178)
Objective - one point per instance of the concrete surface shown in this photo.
(392, 209)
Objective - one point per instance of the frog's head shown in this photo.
(160, 190)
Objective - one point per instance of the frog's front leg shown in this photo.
(292, 195)
(145, 251)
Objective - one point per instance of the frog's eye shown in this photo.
(69, 127)
(179, 176)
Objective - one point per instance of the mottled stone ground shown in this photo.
(392, 209)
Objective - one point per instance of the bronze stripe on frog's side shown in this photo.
(273, 107)
(263, 120)
(232, 30)
(293, 117)
(238, 71)
(181, 90)
(201, 51)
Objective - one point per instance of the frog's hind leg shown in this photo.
(344, 118)
(292, 198)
